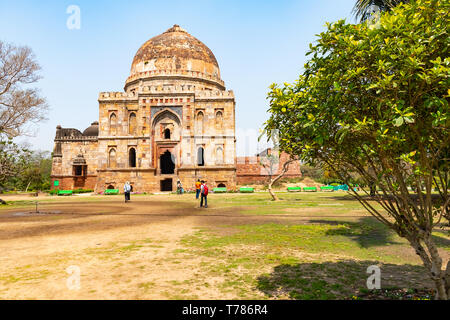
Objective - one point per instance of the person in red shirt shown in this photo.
(204, 192)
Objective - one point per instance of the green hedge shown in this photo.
(111, 191)
(52, 192)
(83, 190)
(65, 192)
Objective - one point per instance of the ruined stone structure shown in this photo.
(250, 170)
(174, 120)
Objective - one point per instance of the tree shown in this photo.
(374, 100)
(36, 171)
(22, 168)
(19, 107)
(270, 161)
(364, 9)
(13, 159)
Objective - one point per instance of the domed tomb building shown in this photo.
(174, 120)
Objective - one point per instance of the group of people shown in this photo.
(201, 190)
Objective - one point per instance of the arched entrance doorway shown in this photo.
(166, 163)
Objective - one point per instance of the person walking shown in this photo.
(127, 191)
(204, 192)
(198, 188)
(179, 187)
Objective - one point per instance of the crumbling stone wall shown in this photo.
(250, 171)
(69, 144)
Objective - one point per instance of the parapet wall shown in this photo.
(198, 94)
(249, 170)
(175, 73)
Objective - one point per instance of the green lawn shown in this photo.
(315, 258)
(306, 246)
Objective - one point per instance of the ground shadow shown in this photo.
(441, 241)
(349, 196)
(337, 280)
(367, 232)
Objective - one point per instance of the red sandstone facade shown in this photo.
(249, 170)
(174, 121)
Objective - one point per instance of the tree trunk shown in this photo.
(272, 181)
(373, 189)
(28, 185)
(433, 263)
(437, 274)
(274, 196)
(447, 280)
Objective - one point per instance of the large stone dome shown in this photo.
(92, 130)
(174, 52)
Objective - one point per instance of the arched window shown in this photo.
(219, 155)
(113, 124)
(199, 122)
(201, 157)
(221, 185)
(167, 133)
(132, 124)
(78, 170)
(219, 119)
(112, 162)
(132, 158)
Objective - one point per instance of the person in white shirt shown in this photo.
(127, 191)
(204, 194)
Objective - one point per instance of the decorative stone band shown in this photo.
(122, 137)
(60, 176)
(118, 96)
(204, 95)
(174, 73)
(204, 136)
(79, 160)
(127, 170)
(76, 138)
(214, 167)
(182, 168)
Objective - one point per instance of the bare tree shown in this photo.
(20, 107)
(270, 163)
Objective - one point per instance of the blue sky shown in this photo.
(255, 42)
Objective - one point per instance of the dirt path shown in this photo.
(123, 251)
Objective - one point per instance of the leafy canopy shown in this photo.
(374, 100)
(371, 90)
